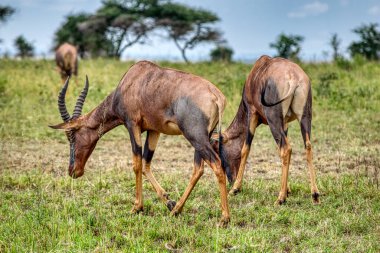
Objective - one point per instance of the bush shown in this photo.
(325, 81)
(221, 53)
(343, 63)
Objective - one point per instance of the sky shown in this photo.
(249, 26)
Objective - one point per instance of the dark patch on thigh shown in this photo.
(269, 94)
(190, 119)
(193, 123)
(274, 113)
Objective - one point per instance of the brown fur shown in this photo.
(66, 57)
(277, 91)
(157, 100)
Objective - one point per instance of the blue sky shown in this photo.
(248, 25)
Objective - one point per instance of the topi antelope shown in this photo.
(66, 58)
(157, 100)
(276, 92)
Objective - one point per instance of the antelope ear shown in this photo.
(70, 125)
(60, 126)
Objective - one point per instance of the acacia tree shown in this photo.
(114, 27)
(24, 48)
(288, 46)
(122, 23)
(335, 43)
(119, 24)
(369, 43)
(70, 32)
(5, 13)
(187, 27)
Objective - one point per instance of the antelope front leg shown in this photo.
(150, 146)
(236, 188)
(221, 177)
(135, 135)
(197, 173)
(244, 155)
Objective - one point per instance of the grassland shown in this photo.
(42, 209)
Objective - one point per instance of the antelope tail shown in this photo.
(270, 89)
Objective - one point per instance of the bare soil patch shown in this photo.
(175, 155)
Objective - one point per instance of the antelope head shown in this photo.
(81, 137)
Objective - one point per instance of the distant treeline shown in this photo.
(119, 24)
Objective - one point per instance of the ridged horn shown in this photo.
(80, 101)
(61, 102)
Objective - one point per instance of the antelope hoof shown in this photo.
(288, 191)
(279, 202)
(315, 197)
(234, 191)
(175, 212)
(137, 210)
(223, 223)
(170, 204)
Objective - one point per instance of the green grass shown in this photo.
(42, 209)
(40, 213)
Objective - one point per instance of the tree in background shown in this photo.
(186, 26)
(5, 13)
(369, 43)
(69, 32)
(121, 23)
(288, 46)
(335, 43)
(23, 47)
(222, 53)
(88, 43)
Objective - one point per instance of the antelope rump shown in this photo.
(66, 58)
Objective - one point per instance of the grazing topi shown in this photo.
(66, 58)
(277, 91)
(156, 100)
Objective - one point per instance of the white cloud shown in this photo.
(313, 9)
(374, 10)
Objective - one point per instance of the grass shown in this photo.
(42, 209)
(40, 213)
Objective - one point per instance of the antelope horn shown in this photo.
(61, 102)
(80, 101)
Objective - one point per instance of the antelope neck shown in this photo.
(102, 118)
(238, 128)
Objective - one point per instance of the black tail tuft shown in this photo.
(223, 158)
(270, 96)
